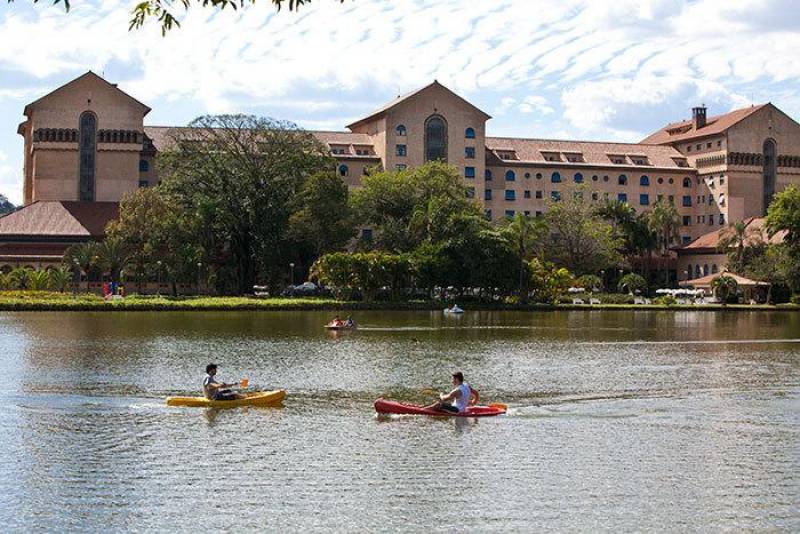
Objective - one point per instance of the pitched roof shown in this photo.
(755, 228)
(706, 281)
(59, 219)
(593, 153)
(685, 130)
(402, 98)
(92, 75)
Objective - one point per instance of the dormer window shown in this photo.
(574, 157)
(551, 156)
(639, 159)
(617, 159)
(506, 154)
(680, 162)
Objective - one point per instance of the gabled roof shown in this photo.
(88, 74)
(685, 130)
(402, 98)
(59, 219)
(755, 228)
(593, 152)
(707, 280)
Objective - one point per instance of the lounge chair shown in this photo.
(578, 301)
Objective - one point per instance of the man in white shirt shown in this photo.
(214, 390)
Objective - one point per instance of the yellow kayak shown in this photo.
(259, 398)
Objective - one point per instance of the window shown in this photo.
(711, 220)
(689, 271)
(435, 139)
(400, 130)
(527, 194)
(510, 214)
(698, 146)
(705, 270)
(721, 219)
(144, 166)
(469, 133)
(644, 181)
(510, 176)
(578, 178)
(366, 234)
(708, 145)
(721, 180)
(644, 199)
(622, 197)
(595, 196)
(595, 178)
(696, 270)
(622, 180)
(400, 150)
(660, 180)
(365, 171)
(87, 147)
(343, 170)
(487, 214)
(687, 201)
(711, 199)
(538, 176)
(555, 195)
(527, 176)
(687, 220)
(488, 175)
(538, 214)
(687, 182)
(469, 172)
(688, 148)
(671, 199)
(714, 269)
(511, 194)
(400, 166)
(555, 178)
(527, 213)
(769, 171)
(487, 194)
(469, 152)
(685, 240)
(144, 183)
(671, 181)
(470, 192)
(659, 198)
(605, 178)
(719, 143)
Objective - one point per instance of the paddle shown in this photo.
(497, 405)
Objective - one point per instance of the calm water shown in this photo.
(619, 421)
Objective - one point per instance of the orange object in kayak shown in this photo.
(384, 406)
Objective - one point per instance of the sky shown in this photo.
(611, 70)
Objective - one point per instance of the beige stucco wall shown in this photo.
(710, 260)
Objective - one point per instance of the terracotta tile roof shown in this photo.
(90, 74)
(59, 219)
(705, 282)
(593, 153)
(343, 138)
(401, 98)
(685, 130)
(32, 251)
(709, 242)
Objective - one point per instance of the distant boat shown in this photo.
(454, 309)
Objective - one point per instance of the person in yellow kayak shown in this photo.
(459, 399)
(214, 390)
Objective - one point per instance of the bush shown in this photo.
(795, 298)
(616, 298)
(666, 300)
(631, 283)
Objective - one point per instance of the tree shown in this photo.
(784, 215)
(735, 241)
(40, 280)
(632, 283)
(664, 221)
(84, 256)
(723, 287)
(59, 279)
(324, 220)
(580, 240)
(20, 278)
(548, 282)
(634, 229)
(526, 235)
(241, 177)
(162, 12)
(5, 205)
(112, 256)
(590, 282)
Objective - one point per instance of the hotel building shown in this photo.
(86, 145)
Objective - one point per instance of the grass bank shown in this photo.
(49, 301)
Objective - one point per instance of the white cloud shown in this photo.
(10, 179)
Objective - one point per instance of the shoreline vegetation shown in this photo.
(50, 301)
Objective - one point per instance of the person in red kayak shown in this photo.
(459, 399)
(214, 390)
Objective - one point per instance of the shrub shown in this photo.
(795, 298)
(632, 282)
(666, 300)
(590, 282)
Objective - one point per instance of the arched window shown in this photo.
(555, 178)
(770, 172)
(697, 271)
(435, 139)
(400, 130)
(510, 176)
(469, 133)
(705, 270)
(88, 146)
(689, 272)
(623, 180)
(144, 166)
(687, 182)
(578, 178)
(343, 170)
(488, 175)
(714, 269)
(644, 181)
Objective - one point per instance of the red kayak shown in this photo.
(384, 406)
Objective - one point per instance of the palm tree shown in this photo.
(112, 257)
(20, 278)
(525, 234)
(84, 256)
(664, 221)
(724, 286)
(59, 279)
(40, 280)
(737, 237)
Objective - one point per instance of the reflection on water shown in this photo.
(618, 421)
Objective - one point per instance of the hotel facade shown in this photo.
(86, 145)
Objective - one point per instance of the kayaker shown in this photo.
(214, 390)
(337, 322)
(349, 322)
(458, 399)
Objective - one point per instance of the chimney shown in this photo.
(699, 116)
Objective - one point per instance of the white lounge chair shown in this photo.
(638, 300)
(594, 301)
(578, 301)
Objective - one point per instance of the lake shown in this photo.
(618, 421)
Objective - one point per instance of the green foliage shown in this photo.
(664, 221)
(590, 282)
(581, 240)
(634, 229)
(324, 221)
(365, 272)
(631, 283)
(39, 280)
(783, 214)
(739, 242)
(724, 287)
(59, 279)
(666, 300)
(20, 278)
(5, 205)
(548, 282)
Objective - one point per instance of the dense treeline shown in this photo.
(248, 201)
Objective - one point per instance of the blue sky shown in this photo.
(604, 70)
